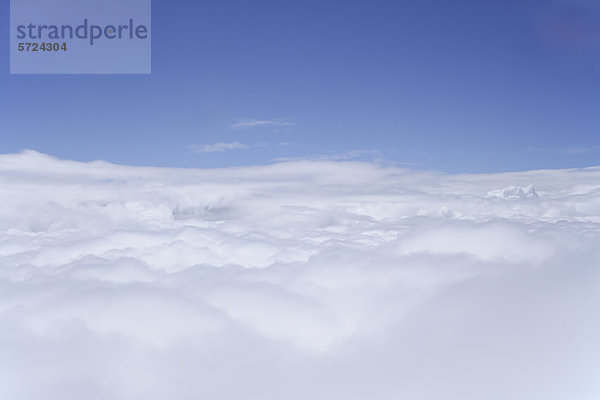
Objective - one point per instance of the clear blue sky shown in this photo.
(430, 84)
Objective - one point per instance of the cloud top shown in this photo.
(305, 279)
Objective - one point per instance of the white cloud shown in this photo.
(218, 147)
(299, 280)
(269, 123)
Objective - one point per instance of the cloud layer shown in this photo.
(299, 280)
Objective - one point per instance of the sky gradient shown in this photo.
(461, 86)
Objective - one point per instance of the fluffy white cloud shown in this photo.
(299, 280)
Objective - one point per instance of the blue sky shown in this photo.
(456, 86)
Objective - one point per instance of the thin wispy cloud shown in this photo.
(248, 123)
(566, 150)
(346, 156)
(577, 150)
(218, 147)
